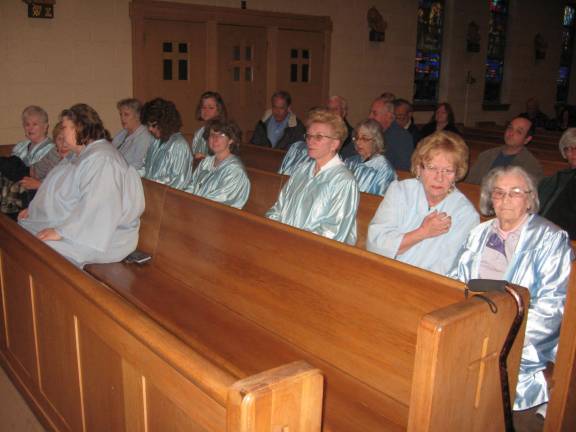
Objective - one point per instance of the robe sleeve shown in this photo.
(233, 188)
(276, 210)
(98, 209)
(338, 219)
(547, 304)
(384, 236)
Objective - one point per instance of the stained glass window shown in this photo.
(563, 80)
(428, 51)
(496, 50)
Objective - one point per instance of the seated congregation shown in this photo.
(85, 197)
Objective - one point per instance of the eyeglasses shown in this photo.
(362, 139)
(318, 137)
(435, 170)
(214, 134)
(514, 193)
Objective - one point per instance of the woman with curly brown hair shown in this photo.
(88, 207)
(169, 159)
(210, 107)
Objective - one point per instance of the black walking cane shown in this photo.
(489, 285)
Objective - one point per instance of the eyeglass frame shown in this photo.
(435, 170)
(318, 137)
(517, 191)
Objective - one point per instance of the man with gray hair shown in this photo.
(399, 144)
(403, 111)
(339, 105)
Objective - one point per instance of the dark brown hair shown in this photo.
(228, 128)
(89, 126)
(222, 113)
(163, 114)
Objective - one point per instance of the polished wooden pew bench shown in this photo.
(87, 359)
(400, 348)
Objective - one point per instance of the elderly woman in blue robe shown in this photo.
(372, 170)
(169, 159)
(221, 177)
(37, 151)
(424, 221)
(134, 139)
(322, 195)
(88, 207)
(524, 249)
(210, 106)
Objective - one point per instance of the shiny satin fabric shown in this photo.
(199, 144)
(403, 209)
(94, 201)
(374, 175)
(541, 263)
(169, 162)
(33, 155)
(325, 204)
(227, 183)
(297, 153)
(134, 147)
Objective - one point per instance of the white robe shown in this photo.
(94, 201)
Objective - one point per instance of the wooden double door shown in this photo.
(183, 50)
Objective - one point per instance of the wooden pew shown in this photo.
(85, 359)
(261, 293)
(262, 158)
(6, 149)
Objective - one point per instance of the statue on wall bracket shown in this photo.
(377, 25)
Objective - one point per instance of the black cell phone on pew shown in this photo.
(137, 257)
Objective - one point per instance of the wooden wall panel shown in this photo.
(57, 352)
(163, 415)
(19, 321)
(102, 383)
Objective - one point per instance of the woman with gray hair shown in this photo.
(524, 249)
(372, 170)
(558, 192)
(134, 139)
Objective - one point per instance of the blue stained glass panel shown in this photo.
(568, 16)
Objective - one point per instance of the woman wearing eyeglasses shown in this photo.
(372, 170)
(221, 177)
(424, 221)
(321, 196)
(524, 249)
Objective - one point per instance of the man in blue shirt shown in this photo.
(279, 127)
(398, 142)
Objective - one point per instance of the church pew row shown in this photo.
(86, 359)
(399, 347)
(6, 150)
(545, 139)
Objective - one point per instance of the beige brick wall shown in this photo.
(84, 55)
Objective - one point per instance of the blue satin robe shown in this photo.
(297, 153)
(169, 162)
(199, 144)
(403, 209)
(325, 204)
(540, 263)
(227, 183)
(34, 155)
(94, 201)
(134, 147)
(374, 175)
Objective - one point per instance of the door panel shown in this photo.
(242, 73)
(175, 65)
(301, 68)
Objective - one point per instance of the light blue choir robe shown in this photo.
(227, 183)
(403, 209)
(31, 156)
(325, 203)
(169, 162)
(297, 153)
(94, 201)
(134, 147)
(541, 263)
(199, 144)
(374, 175)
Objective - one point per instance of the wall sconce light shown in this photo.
(40, 8)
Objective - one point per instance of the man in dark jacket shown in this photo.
(279, 128)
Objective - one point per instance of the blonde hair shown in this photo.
(444, 142)
(333, 120)
(568, 139)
